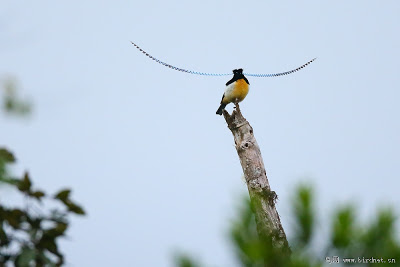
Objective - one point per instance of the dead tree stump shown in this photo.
(263, 199)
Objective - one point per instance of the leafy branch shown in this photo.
(29, 235)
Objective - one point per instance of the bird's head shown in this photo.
(238, 71)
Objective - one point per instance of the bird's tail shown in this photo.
(221, 107)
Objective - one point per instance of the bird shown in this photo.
(236, 90)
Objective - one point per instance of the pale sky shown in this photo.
(140, 144)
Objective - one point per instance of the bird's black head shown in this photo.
(237, 75)
(238, 71)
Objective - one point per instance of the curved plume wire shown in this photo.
(176, 68)
(282, 73)
(220, 74)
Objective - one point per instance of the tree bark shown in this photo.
(263, 199)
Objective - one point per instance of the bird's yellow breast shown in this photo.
(236, 92)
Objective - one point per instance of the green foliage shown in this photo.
(12, 104)
(251, 249)
(248, 247)
(303, 211)
(372, 244)
(28, 236)
(344, 230)
(376, 240)
(182, 260)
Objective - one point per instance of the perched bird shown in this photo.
(236, 90)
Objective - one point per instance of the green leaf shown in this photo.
(11, 102)
(48, 242)
(63, 195)
(37, 194)
(6, 156)
(379, 237)
(43, 260)
(36, 223)
(58, 230)
(26, 257)
(25, 184)
(72, 207)
(14, 217)
(183, 260)
(4, 241)
(344, 228)
(304, 215)
(10, 181)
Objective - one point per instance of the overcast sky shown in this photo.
(140, 144)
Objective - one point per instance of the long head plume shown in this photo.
(220, 74)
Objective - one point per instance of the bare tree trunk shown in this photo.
(263, 199)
